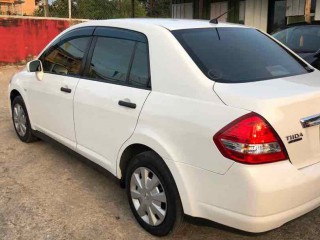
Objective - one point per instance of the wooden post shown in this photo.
(46, 8)
(70, 7)
(308, 11)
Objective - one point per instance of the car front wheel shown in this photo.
(21, 120)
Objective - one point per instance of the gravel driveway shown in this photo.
(48, 193)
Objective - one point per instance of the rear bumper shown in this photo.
(253, 198)
(254, 224)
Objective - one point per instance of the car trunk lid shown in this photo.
(283, 102)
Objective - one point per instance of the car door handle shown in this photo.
(127, 104)
(64, 89)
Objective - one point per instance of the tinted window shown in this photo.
(139, 74)
(66, 57)
(301, 39)
(237, 54)
(111, 59)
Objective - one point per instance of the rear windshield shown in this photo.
(238, 54)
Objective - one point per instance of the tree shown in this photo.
(46, 8)
(106, 9)
(96, 9)
(157, 8)
(133, 8)
(43, 8)
(59, 8)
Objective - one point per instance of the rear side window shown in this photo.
(111, 59)
(238, 54)
(119, 56)
(66, 57)
(139, 74)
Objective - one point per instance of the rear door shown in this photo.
(108, 102)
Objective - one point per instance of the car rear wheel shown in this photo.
(21, 120)
(153, 195)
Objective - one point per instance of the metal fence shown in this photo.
(86, 9)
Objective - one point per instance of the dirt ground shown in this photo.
(48, 193)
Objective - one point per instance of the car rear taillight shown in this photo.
(250, 139)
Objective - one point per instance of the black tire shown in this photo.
(28, 136)
(174, 211)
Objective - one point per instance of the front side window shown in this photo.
(301, 39)
(111, 59)
(66, 57)
(238, 54)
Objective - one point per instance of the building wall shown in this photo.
(217, 9)
(295, 7)
(253, 13)
(26, 8)
(242, 11)
(256, 14)
(182, 10)
(6, 5)
(23, 38)
(317, 16)
(29, 7)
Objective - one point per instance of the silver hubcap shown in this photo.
(20, 120)
(148, 196)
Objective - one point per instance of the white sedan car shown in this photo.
(216, 121)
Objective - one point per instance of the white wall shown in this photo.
(257, 14)
(242, 11)
(317, 17)
(182, 10)
(218, 9)
(295, 7)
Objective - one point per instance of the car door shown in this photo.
(108, 102)
(51, 95)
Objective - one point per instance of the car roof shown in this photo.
(170, 24)
(314, 23)
(304, 24)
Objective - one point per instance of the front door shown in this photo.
(51, 93)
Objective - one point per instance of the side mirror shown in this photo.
(34, 66)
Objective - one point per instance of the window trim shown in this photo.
(114, 32)
(52, 48)
(67, 37)
(89, 52)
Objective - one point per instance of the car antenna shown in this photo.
(215, 20)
